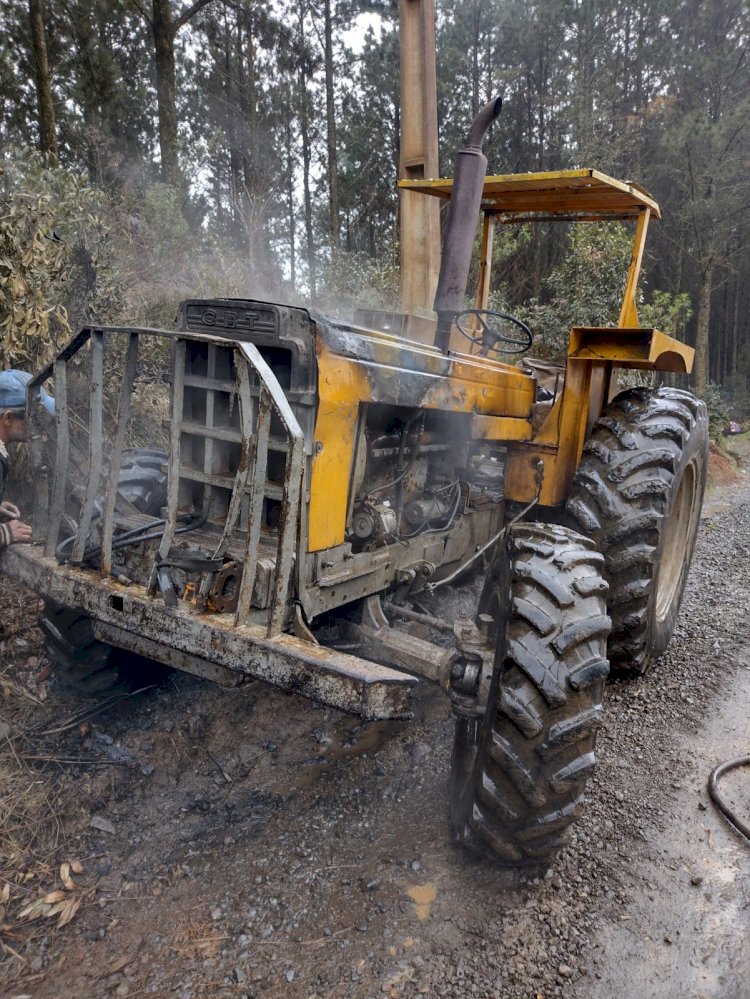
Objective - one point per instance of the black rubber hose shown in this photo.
(713, 790)
(146, 532)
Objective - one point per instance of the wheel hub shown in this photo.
(678, 533)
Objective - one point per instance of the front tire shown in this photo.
(637, 494)
(518, 773)
(80, 659)
(142, 481)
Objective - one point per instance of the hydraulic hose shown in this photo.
(147, 532)
(713, 790)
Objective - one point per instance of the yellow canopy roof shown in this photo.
(564, 194)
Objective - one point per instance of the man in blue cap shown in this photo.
(13, 428)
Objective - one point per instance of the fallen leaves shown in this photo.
(65, 877)
(54, 903)
(63, 903)
(102, 824)
(116, 966)
(4, 899)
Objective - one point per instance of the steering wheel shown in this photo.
(487, 330)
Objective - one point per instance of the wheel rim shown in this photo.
(678, 540)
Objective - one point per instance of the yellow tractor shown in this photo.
(321, 483)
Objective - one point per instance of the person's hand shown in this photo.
(19, 532)
(9, 511)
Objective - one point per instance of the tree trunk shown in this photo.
(166, 89)
(475, 100)
(47, 133)
(165, 28)
(703, 320)
(87, 44)
(291, 207)
(333, 167)
(253, 208)
(304, 124)
(233, 131)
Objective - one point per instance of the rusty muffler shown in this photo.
(463, 214)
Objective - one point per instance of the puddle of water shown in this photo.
(422, 896)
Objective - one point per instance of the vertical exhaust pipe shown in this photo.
(461, 227)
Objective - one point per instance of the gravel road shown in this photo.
(254, 844)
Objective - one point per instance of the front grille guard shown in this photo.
(250, 475)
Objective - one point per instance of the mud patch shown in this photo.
(422, 896)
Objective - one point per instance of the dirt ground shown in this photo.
(248, 843)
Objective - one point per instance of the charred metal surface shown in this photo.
(391, 645)
(96, 445)
(267, 325)
(115, 455)
(236, 318)
(39, 431)
(142, 646)
(407, 614)
(343, 681)
(60, 480)
(212, 583)
(173, 486)
(46, 520)
(473, 666)
(225, 568)
(409, 374)
(290, 507)
(255, 512)
(225, 588)
(340, 576)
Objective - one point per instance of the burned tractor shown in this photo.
(325, 479)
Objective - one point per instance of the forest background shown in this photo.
(152, 150)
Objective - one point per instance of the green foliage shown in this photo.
(655, 92)
(72, 253)
(588, 285)
(162, 228)
(352, 280)
(31, 267)
(718, 410)
(586, 288)
(57, 257)
(668, 313)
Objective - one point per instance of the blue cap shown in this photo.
(13, 391)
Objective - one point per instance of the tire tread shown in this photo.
(621, 498)
(535, 748)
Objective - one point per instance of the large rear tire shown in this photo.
(637, 494)
(518, 773)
